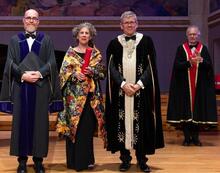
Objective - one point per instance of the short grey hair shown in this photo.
(88, 25)
(193, 26)
(127, 14)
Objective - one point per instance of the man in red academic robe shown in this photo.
(192, 100)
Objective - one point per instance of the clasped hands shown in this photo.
(82, 76)
(130, 89)
(31, 76)
(196, 58)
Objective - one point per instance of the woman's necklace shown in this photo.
(81, 49)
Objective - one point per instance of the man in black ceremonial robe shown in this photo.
(192, 100)
(133, 115)
(30, 89)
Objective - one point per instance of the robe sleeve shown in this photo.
(146, 76)
(115, 74)
(50, 69)
(11, 61)
(180, 59)
(51, 62)
(207, 63)
(99, 71)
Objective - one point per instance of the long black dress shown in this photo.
(80, 155)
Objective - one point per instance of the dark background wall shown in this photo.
(214, 44)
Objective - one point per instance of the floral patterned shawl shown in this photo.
(75, 93)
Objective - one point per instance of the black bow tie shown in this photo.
(192, 46)
(27, 35)
(132, 37)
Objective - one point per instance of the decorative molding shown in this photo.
(214, 19)
(102, 23)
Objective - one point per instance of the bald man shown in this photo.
(32, 75)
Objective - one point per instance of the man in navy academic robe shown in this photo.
(30, 89)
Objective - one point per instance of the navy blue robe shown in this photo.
(30, 103)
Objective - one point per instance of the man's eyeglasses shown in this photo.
(35, 19)
(129, 23)
(193, 34)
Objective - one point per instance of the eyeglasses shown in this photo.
(129, 23)
(35, 19)
(193, 34)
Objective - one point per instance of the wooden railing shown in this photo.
(5, 119)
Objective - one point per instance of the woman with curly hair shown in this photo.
(80, 73)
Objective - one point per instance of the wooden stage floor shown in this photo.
(174, 158)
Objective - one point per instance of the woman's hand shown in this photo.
(80, 76)
(88, 71)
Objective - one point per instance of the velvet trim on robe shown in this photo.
(6, 104)
(148, 134)
(28, 98)
(49, 92)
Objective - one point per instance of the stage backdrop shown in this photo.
(95, 7)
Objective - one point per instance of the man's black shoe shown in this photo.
(144, 167)
(124, 166)
(197, 143)
(186, 143)
(22, 168)
(39, 168)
